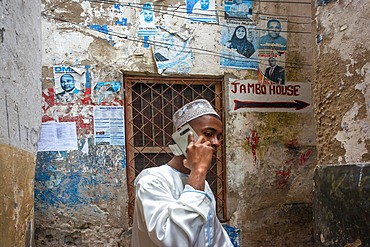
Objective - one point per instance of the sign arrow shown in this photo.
(297, 104)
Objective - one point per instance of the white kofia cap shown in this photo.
(192, 110)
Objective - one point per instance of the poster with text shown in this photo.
(273, 33)
(69, 82)
(239, 42)
(146, 25)
(58, 137)
(109, 125)
(271, 67)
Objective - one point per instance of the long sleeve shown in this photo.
(167, 216)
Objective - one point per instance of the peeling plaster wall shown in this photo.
(342, 82)
(270, 156)
(20, 101)
(342, 102)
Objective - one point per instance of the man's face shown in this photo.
(272, 61)
(204, 4)
(148, 15)
(274, 29)
(67, 82)
(210, 127)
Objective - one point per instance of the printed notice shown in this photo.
(109, 125)
(58, 137)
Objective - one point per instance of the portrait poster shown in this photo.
(69, 82)
(238, 9)
(201, 11)
(172, 53)
(239, 41)
(271, 67)
(107, 92)
(273, 33)
(146, 25)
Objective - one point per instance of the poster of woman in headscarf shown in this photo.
(240, 42)
(172, 53)
(69, 83)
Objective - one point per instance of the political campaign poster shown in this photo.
(172, 53)
(201, 11)
(146, 25)
(273, 33)
(238, 9)
(271, 67)
(239, 42)
(69, 83)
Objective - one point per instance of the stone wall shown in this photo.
(82, 194)
(20, 121)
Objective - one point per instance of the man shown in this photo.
(146, 18)
(174, 204)
(273, 40)
(275, 73)
(67, 82)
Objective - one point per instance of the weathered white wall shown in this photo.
(342, 82)
(20, 74)
(20, 121)
(270, 156)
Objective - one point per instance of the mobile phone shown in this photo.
(180, 137)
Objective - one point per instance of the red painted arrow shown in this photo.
(297, 104)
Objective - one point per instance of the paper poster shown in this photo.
(146, 25)
(109, 125)
(238, 9)
(69, 83)
(58, 136)
(273, 33)
(239, 42)
(201, 11)
(271, 67)
(172, 53)
(107, 92)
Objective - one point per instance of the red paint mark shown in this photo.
(253, 141)
(282, 179)
(48, 98)
(304, 157)
(46, 119)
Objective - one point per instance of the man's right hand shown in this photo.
(198, 161)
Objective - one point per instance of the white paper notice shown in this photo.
(109, 125)
(58, 137)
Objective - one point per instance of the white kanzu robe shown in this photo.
(169, 212)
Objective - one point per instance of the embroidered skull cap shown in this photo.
(192, 110)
